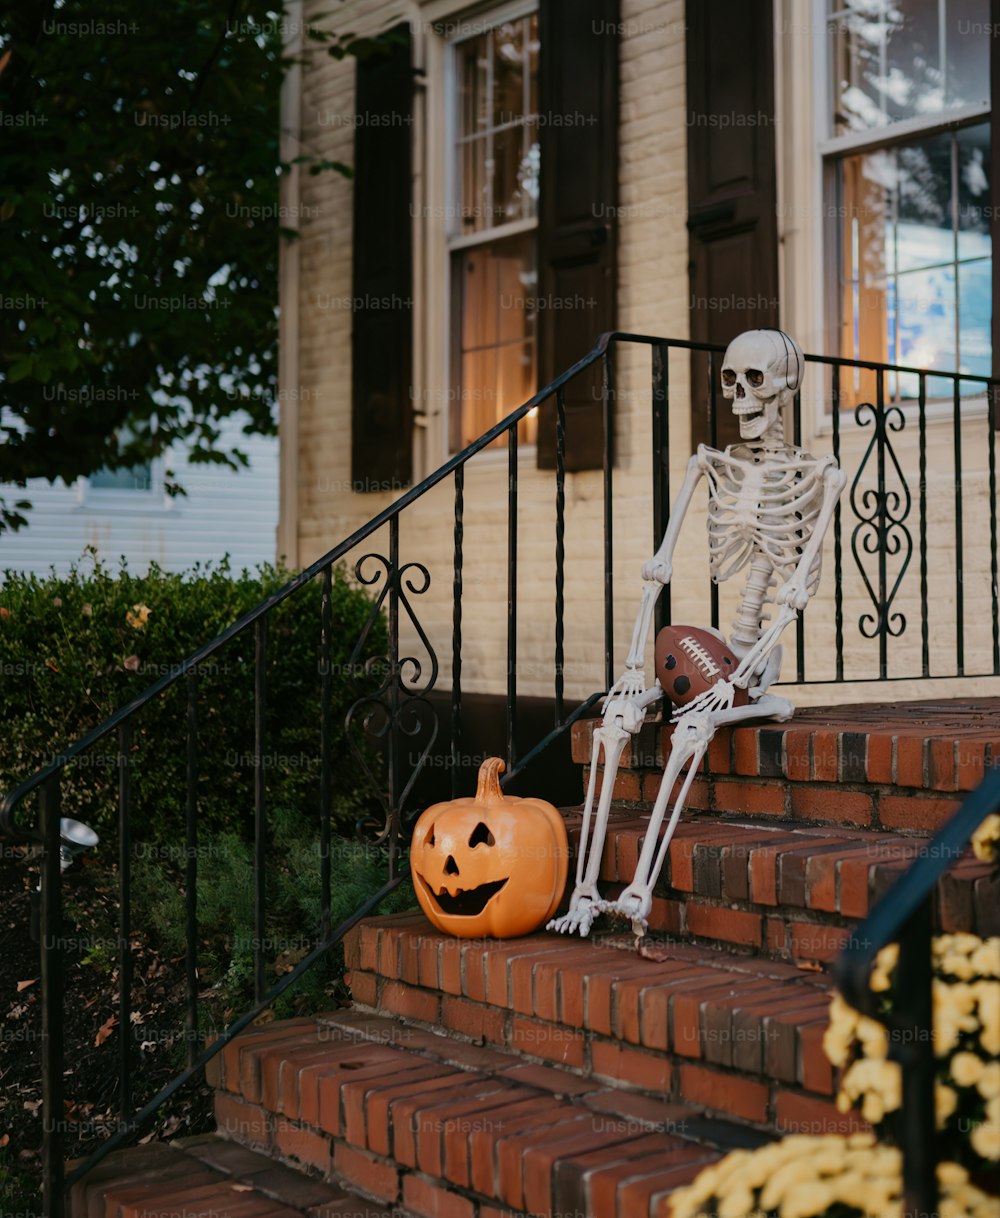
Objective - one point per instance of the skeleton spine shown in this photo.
(746, 627)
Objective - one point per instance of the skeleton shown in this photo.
(769, 507)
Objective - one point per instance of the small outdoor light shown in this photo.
(75, 838)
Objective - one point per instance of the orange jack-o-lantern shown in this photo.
(492, 865)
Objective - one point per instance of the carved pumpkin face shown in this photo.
(493, 865)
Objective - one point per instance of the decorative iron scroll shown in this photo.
(881, 529)
(380, 723)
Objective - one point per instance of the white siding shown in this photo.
(224, 512)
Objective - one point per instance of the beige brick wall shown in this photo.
(652, 298)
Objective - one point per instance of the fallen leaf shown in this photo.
(241, 1188)
(5, 1140)
(808, 966)
(104, 1031)
(23, 985)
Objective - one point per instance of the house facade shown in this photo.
(532, 173)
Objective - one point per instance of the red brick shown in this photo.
(450, 966)
(485, 1145)
(745, 755)
(815, 1071)
(279, 1071)
(454, 1123)
(724, 1092)
(718, 752)
(681, 856)
(602, 986)
(547, 973)
(248, 1123)
(358, 1093)
(812, 941)
(523, 971)
(582, 739)
(366, 1172)
(508, 1151)
(730, 925)
(241, 1057)
(540, 1162)
(317, 1095)
(352, 948)
(628, 1004)
(547, 1040)
(410, 1002)
(776, 935)
(748, 798)
(970, 764)
(910, 761)
(414, 1113)
(666, 916)
(617, 1062)
(764, 867)
(363, 987)
(379, 1109)
(428, 961)
(798, 755)
(797, 1113)
(941, 764)
(430, 1200)
(472, 1019)
(833, 805)
(332, 1086)
(821, 882)
(879, 765)
(655, 1004)
(458, 1142)
(909, 812)
(304, 1145)
(368, 955)
(825, 756)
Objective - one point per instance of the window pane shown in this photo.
(915, 261)
(473, 95)
(889, 62)
(134, 478)
(508, 73)
(496, 283)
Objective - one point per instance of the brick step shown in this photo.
(448, 1129)
(209, 1177)
(898, 766)
(735, 1036)
(790, 892)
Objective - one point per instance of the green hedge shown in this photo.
(74, 649)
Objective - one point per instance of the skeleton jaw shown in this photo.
(755, 416)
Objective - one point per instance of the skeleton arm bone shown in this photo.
(660, 566)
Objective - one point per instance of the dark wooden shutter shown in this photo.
(995, 198)
(578, 136)
(732, 221)
(382, 336)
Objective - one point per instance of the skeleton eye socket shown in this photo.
(728, 377)
(755, 378)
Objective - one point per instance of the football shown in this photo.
(689, 661)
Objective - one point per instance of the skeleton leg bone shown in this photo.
(621, 721)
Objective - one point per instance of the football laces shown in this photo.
(699, 656)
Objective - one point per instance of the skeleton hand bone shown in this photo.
(718, 698)
(621, 699)
(794, 593)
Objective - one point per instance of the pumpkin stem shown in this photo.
(488, 791)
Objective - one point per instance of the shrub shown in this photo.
(74, 649)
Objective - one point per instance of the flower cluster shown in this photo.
(804, 1176)
(966, 998)
(986, 840)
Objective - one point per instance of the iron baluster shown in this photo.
(925, 635)
(124, 918)
(560, 550)
(511, 597)
(456, 634)
(959, 556)
(53, 1052)
(713, 427)
(800, 620)
(661, 465)
(325, 748)
(607, 392)
(191, 868)
(395, 681)
(838, 541)
(259, 816)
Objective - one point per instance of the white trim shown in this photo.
(125, 499)
(289, 336)
(511, 229)
(905, 129)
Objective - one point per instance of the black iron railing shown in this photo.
(904, 915)
(399, 709)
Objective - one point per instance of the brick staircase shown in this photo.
(569, 1078)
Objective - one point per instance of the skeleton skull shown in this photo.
(760, 373)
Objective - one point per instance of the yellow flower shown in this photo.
(986, 838)
(966, 1069)
(986, 958)
(985, 1140)
(945, 1103)
(988, 998)
(806, 1200)
(988, 1085)
(138, 616)
(885, 962)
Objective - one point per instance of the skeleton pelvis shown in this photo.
(689, 660)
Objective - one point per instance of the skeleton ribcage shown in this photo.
(767, 508)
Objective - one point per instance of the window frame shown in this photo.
(830, 150)
(453, 240)
(152, 502)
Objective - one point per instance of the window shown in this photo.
(909, 162)
(134, 478)
(492, 245)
